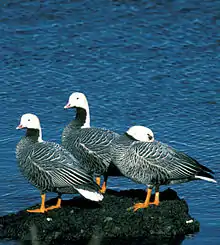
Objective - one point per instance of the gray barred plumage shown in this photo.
(155, 163)
(91, 146)
(49, 166)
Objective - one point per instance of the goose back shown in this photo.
(155, 163)
(91, 146)
(50, 167)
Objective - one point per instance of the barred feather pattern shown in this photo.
(91, 146)
(50, 167)
(155, 163)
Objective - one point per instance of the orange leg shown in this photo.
(58, 205)
(103, 190)
(156, 199)
(98, 180)
(42, 207)
(146, 203)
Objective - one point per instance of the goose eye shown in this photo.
(77, 98)
(149, 136)
(29, 120)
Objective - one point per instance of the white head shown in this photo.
(141, 133)
(79, 100)
(30, 121)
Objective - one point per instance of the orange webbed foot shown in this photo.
(139, 205)
(58, 205)
(154, 203)
(52, 207)
(42, 208)
(38, 210)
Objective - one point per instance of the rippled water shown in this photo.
(155, 63)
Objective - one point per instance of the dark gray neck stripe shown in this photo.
(80, 117)
(33, 134)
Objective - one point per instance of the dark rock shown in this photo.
(81, 221)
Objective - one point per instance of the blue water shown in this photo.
(154, 63)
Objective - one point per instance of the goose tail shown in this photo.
(205, 176)
(91, 195)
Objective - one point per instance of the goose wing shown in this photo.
(56, 166)
(95, 144)
(163, 162)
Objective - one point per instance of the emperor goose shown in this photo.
(154, 163)
(90, 145)
(50, 167)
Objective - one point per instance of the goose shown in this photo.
(154, 163)
(90, 145)
(50, 167)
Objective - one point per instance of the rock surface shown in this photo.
(81, 221)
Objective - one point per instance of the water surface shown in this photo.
(154, 63)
